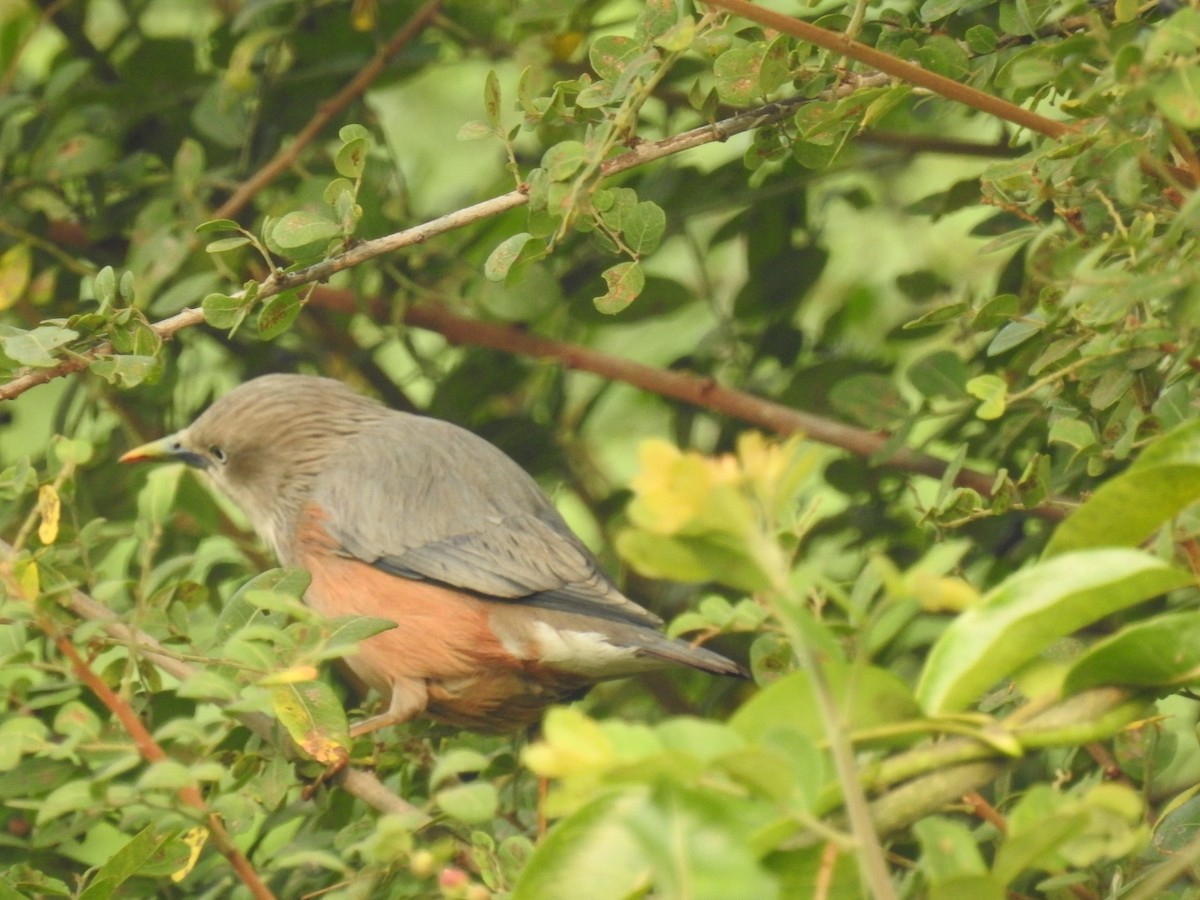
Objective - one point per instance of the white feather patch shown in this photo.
(586, 653)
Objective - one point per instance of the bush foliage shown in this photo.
(861, 341)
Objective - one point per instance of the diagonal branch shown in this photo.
(357, 86)
(905, 71)
(698, 391)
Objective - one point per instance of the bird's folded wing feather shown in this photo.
(425, 499)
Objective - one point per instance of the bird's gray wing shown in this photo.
(425, 499)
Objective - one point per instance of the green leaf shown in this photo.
(166, 774)
(981, 39)
(564, 159)
(1030, 610)
(942, 54)
(229, 243)
(867, 697)
(127, 370)
(238, 611)
(870, 399)
(993, 391)
(657, 17)
(1110, 387)
(934, 10)
(475, 801)
(1161, 652)
(949, 850)
(998, 311)
(1016, 333)
(315, 719)
(977, 887)
(16, 269)
(642, 228)
(148, 849)
(1125, 510)
(1179, 35)
(690, 558)
(37, 346)
(491, 98)
(218, 225)
(454, 763)
(352, 629)
(501, 260)
(940, 374)
(351, 158)
(205, 684)
(939, 315)
(625, 281)
(104, 285)
(1030, 68)
(353, 132)
(737, 73)
(224, 312)
(589, 855)
(611, 54)
(678, 37)
(474, 131)
(20, 735)
(1177, 95)
(278, 314)
(1072, 432)
(302, 229)
(1036, 844)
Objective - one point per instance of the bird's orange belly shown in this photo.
(442, 638)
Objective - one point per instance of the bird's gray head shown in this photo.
(264, 442)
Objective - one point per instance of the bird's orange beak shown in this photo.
(166, 449)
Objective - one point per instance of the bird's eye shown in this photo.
(217, 453)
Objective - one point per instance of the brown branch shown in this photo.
(152, 752)
(979, 807)
(357, 86)
(698, 391)
(147, 747)
(898, 68)
(362, 784)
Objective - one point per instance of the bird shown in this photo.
(500, 610)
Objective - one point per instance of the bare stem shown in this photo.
(898, 68)
(357, 86)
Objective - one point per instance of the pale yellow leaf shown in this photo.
(195, 839)
(50, 509)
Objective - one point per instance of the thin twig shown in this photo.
(982, 809)
(898, 68)
(357, 86)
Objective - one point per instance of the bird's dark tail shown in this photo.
(682, 653)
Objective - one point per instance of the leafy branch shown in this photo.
(359, 782)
